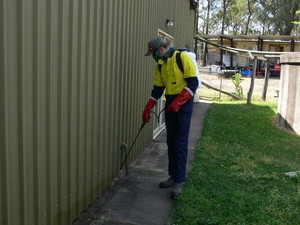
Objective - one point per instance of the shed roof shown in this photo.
(261, 55)
(253, 37)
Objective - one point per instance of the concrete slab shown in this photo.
(137, 199)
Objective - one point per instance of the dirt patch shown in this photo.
(227, 85)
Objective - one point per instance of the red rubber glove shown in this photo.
(146, 114)
(182, 98)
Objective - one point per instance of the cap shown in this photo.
(153, 45)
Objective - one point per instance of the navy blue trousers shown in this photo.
(178, 126)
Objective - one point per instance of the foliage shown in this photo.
(237, 22)
(296, 22)
(238, 173)
(280, 14)
(264, 17)
(237, 80)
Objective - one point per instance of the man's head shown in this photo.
(156, 47)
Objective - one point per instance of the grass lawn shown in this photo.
(238, 172)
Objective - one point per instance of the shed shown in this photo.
(73, 84)
(271, 43)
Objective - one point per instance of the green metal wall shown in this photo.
(73, 84)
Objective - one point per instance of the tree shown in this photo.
(225, 5)
(236, 16)
(264, 17)
(208, 8)
(207, 14)
(250, 8)
(281, 13)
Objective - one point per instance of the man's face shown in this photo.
(163, 51)
(159, 52)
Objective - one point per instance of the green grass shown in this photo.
(238, 172)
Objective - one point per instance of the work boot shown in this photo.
(176, 190)
(167, 183)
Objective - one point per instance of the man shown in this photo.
(179, 89)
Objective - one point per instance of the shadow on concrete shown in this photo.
(137, 199)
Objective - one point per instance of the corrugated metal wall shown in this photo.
(73, 84)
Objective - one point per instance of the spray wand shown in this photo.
(124, 146)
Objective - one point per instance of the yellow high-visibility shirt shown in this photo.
(171, 76)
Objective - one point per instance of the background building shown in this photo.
(214, 56)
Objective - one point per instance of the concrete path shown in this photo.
(137, 199)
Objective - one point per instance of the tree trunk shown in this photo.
(219, 90)
(224, 15)
(206, 32)
(249, 17)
